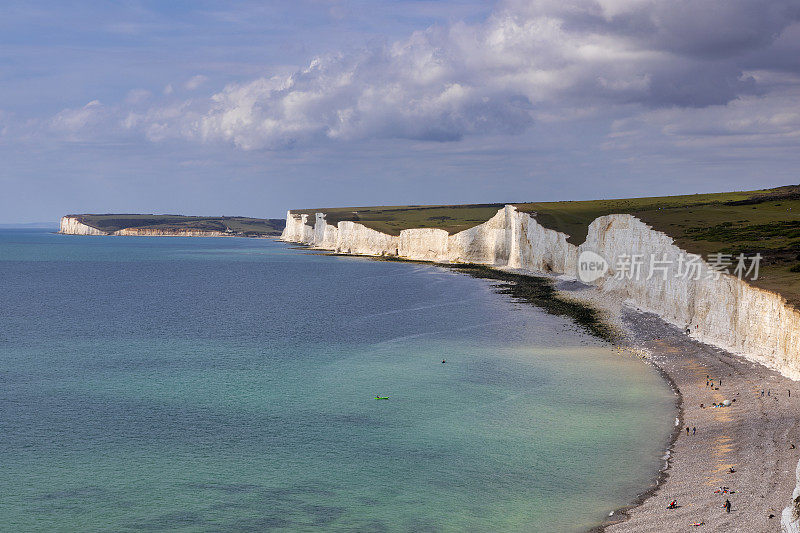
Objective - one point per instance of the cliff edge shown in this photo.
(71, 225)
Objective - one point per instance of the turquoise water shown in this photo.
(228, 384)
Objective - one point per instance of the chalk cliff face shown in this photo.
(71, 226)
(717, 309)
(155, 232)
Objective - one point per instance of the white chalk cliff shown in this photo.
(159, 232)
(71, 225)
(722, 310)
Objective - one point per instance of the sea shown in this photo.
(229, 384)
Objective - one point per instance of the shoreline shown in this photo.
(622, 514)
(617, 333)
(693, 461)
(754, 436)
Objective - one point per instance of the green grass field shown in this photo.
(393, 219)
(242, 226)
(762, 221)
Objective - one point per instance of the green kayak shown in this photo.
(381, 397)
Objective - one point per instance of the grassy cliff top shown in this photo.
(763, 221)
(393, 219)
(244, 226)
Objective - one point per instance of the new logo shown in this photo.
(591, 266)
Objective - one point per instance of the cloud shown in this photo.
(195, 82)
(527, 60)
(710, 29)
(759, 133)
(74, 124)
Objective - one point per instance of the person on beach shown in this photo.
(727, 506)
(687, 430)
(693, 430)
(673, 504)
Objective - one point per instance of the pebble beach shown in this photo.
(745, 453)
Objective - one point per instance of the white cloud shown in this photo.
(647, 60)
(75, 121)
(195, 82)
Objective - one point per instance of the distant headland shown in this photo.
(170, 225)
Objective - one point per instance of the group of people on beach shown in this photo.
(722, 404)
(692, 431)
(727, 506)
(769, 392)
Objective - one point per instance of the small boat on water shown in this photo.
(381, 397)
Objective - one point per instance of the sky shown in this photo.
(252, 108)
